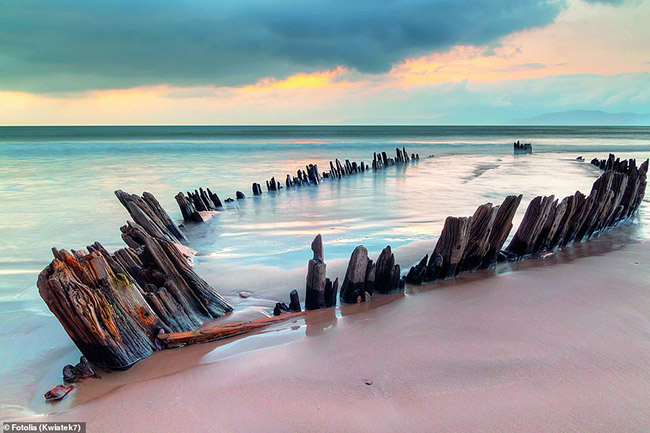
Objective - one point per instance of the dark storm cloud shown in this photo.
(64, 45)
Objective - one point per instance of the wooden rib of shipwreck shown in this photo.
(201, 205)
(113, 305)
(219, 332)
(150, 215)
(467, 244)
(522, 148)
(120, 307)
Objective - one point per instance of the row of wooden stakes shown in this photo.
(470, 243)
(613, 163)
(200, 205)
(520, 148)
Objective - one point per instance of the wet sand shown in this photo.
(556, 345)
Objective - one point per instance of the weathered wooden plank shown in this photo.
(354, 284)
(219, 332)
(451, 246)
(537, 213)
(143, 214)
(417, 273)
(316, 278)
(387, 273)
(478, 242)
(501, 227)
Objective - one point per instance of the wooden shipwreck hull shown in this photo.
(120, 307)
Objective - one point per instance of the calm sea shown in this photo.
(57, 183)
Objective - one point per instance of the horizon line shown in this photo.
(365, 125)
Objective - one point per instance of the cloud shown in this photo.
(523, 67)
(463, 102)
(67, 45)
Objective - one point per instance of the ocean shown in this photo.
(57, 183)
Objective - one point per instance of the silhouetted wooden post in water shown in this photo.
(257, 189)
(315, 286)
(418, 273)
(273, 185)
(294, 304)
(354, 284)
(331, 291)
(387, 273)
(520, 148)
(198, 206)
(187, 208)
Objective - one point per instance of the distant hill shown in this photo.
(586, 117)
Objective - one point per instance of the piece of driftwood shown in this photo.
(112, 305)
(176, 339)
(107, 318)
(525, 239)
(371, 273)
(257, 189)
(273, 185)
(386, 273)
(316, 278)
(58, 392)
(75, 373)
(450, 247)
(149, 214)
(197, 206)
(478, 243)
(294, 304)
(280, 308)
(331, 292)
(353, 288)
(501, 227)
(418, 273)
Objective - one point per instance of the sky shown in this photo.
(80, 62)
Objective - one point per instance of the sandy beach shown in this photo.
(555, 345)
